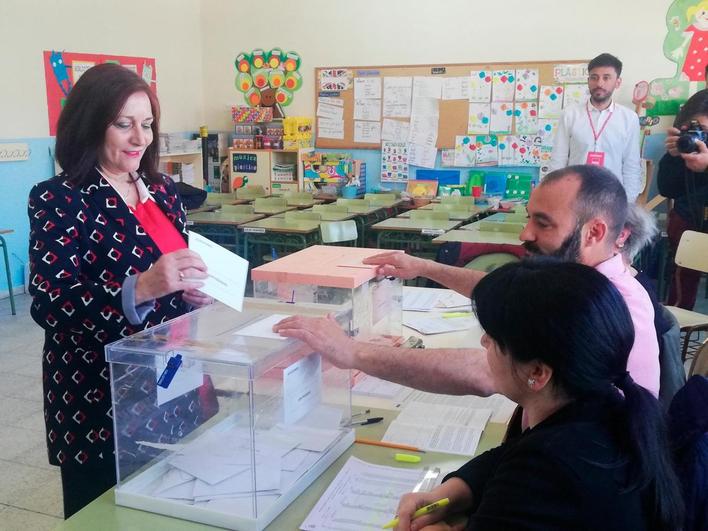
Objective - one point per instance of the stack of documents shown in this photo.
(439, 428)
(362, 496)
(439, 323)
(502, 408)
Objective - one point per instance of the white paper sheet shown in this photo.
(423, 130)
(438, 325)
(397, 97)
(302, 387)
(394, 130)
(422, 156)
(502, 408)
(372, 386)
(329, 128)
(456, 88)
(367, 132)
(427, 87)
(367, 109)
(227, 271)
(362, 496)
(333, 112)
(424, 413)
(263, 328)
(419, 300)
(367, 88)
(452, 299)
(448, 438)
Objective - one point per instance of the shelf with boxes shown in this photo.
(185, 166)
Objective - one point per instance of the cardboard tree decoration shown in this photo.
(686, 45)
(268, 79)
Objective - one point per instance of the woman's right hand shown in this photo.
(176, 271)
(413, 501)
(671, 137)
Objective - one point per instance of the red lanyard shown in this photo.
(596, 135)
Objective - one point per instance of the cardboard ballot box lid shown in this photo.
(320, 265)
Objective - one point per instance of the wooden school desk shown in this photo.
(221, 227)
(274, 231)
(103, 514)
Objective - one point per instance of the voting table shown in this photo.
(104, 514)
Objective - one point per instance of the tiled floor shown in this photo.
(30, 489)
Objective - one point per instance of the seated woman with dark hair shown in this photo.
(594, 456)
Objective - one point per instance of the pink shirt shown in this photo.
(643, 362)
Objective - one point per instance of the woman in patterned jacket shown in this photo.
(108, 258)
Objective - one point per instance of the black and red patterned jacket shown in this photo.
(84, 242)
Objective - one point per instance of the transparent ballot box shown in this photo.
(335, 276)
(219, 420)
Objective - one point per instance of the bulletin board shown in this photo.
(63, 69)
(337, 85)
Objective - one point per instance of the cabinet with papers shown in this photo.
(335, 276)
(278, 171)
(220, 421)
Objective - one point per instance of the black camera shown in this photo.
(686, 142)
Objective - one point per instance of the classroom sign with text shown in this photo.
(63, 69)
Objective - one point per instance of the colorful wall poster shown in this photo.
(503, 85)
(529, 150)
(526, 117)
(487, 152)
(550, 101)
(336, 79)
(394, 162)
(570, 73)
(502, 117)
(480, 86)
(63, 69)
(465, 151)
(575, 94)
(547, 131)
(526, 84)
(508, 146)
(478, 119)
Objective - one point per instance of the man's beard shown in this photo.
(606, 95)
(569, 250)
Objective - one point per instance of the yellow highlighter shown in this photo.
(420, 512)
(452, 315)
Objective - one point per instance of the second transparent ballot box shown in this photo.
(219, 420)
(335, 276)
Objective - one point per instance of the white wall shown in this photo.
(167, 30)
(380, 32)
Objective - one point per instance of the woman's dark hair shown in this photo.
(696, 105)
(571, 317)
(93, 104)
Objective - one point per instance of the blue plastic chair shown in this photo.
(3, 244)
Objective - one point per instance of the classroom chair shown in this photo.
(269, 202)
(250, 192)
(343, 201)
(295, 215)
(237, 209)
(216, 198)
(339, 232)
(467, 200)
(699, 365)
(489, 262)
(383, 198)
(692, 253)
(298, 197)
(8, 274)
(332, 207)
(429, 214)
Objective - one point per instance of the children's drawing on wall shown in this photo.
(63, 69)
(268, 79)
(686, 44)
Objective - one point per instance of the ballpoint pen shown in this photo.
(387, 444)
(420, 512)
(372, 420)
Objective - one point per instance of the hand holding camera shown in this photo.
(690, 144)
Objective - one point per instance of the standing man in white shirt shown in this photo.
(600, 131)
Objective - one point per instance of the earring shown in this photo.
(531, 382)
